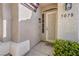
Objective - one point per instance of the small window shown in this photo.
(4, 28)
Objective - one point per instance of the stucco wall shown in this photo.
(29, 26)
(14, 22)
(24, 16)
(68, 26)
(34, 30)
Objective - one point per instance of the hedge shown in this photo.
(65, 48)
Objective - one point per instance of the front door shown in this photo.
(51, 25)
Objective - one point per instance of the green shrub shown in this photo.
(65, 48)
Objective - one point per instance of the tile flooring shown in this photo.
(41, 49)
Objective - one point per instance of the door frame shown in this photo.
(46, 24)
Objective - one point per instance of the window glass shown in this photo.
(4, 28)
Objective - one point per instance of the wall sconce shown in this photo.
(39, 20)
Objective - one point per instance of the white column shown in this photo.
(14, 27)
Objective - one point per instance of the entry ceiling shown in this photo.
(42, 5)
(48, 6)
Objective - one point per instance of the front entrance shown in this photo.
(51, 18)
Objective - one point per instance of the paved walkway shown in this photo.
(41, 49)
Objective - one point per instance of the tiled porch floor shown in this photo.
(41, 49)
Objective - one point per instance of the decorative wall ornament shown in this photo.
(68, 6)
